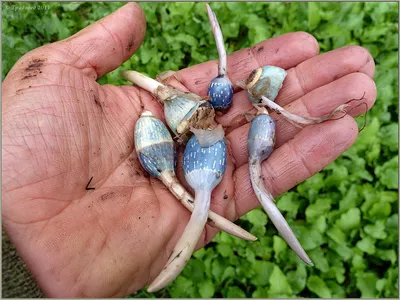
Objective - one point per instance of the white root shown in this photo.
(171, 182)
(186, 244)
(219, 41)
(296, 120)
(142, 81)
(159, 90)
(267, 202)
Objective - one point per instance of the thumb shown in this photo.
(106, 44)
(98, 48)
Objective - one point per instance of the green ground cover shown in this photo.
(346, 215)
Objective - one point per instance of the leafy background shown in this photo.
(346, 216)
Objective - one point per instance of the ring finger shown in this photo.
(317, 103)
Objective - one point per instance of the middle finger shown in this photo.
(305, 77)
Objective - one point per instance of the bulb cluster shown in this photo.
(191, 119)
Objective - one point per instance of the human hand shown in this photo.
(60, 128)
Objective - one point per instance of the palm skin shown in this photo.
(60, 128)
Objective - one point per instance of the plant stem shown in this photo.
(172, 183)
(186, 244)
(142, 81)
(296, 119)
(267, 202)
(219, 41)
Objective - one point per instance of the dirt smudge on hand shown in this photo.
(96, 100)
(33, 69)
(107, 195)
(136, 168)
(131, 43)
(115, 193)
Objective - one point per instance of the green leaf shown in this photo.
(195, 270)
(368, 135)
(249, 254)
(392, 285)
(389, 136)
(380, 285)
(336, 235)
(338, 173)
(344, 251)
(182, 288)
(200, 253)
(279, 284)
(59, 27)
(351, 199)
(388, 255)
(258, 29)
(392, 222)
(148, 54)
(380, 209)
(313, 15)
(71, 6)
(257, 217)
(320, 224)
(366, 245)
(228, 273)
(207, 260)
(320, 207)
(366, 283)
(337, 272)
(225, 250)
(310, 239)
(235, 292)
(297, 279)
(217, 269)
(206, 289)
(263, 271)
(319, 260)
(359, 262)
(187, 39)
(181, 9)
(260, 292)
(376, 230)
(349, 220)
(280, 246)
(388, 173)
(311, 187)
(316, 285)
(337, 290)
(289, 203)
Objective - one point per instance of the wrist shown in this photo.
(17, 280)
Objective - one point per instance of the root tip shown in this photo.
(309, 262)
(154, 287)
(124, 73)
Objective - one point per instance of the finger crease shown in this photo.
(259, 65)
(304, 103)
(300, 82)
(115, 38)
(297, 153)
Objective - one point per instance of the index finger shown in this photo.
(285, 51)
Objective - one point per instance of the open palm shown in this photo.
(60, 128)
